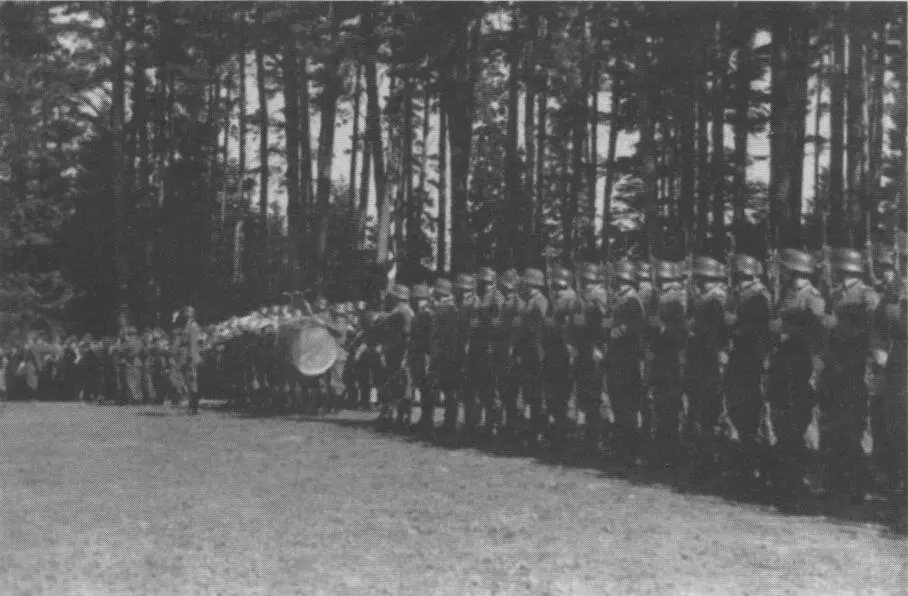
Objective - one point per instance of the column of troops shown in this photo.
(151, 366)
(693, 366)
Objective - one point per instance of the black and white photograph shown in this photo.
(455, 298)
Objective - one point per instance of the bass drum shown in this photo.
(309, 346)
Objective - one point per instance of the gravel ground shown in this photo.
(112, 500)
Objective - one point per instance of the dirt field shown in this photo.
(103, 500)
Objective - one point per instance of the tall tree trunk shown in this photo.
(592, 166)
(373, 132)
(118, 45)
(613, 128)
(442, 259)
(291, 130)
(304, 246)
(365, 180)
(797, 128)
(819, 203)
(144, 203)
(241, 164)
(779, 171)
(647, 147)
(687, 159)
(703, 177)
(411, 204)
(326, 141)
(529, 133)
(718, 134)
(542, 111)
(578, 118)
(855, 117)
(263, 166)
(461, 123)
(511, 218)
(424, 154)
(876, 114)
(837, 230)
(354, 147)
(742, 126)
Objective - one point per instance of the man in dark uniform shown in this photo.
(623, 360)
(669, 345)
(530, 349)
(470, 356)
(561, 352)
(843, 398)
(418, 354)
(796, 369)
(707, 357)
(890, 353)
(394, 336)
(186, 352)
(445, 371)
(588, 328)
(747, 315)
(506, 331)
(129, 353)
(483, 350)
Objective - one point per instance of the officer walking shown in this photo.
(186, 354)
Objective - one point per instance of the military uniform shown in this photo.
(469, 351)
(506, 332)
(418, 355)
(560, 351)
(623, 360)
(707, 344)
(394, 336)
(186, 355)
(445, 371)
(129, 354)
(844, 392)
(484, 355)
(588, 326)
(748, 315)
(669, 345)
(796, 366)
(530, 349)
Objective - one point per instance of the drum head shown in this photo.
(312, 350)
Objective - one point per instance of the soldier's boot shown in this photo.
(452, 411)
(426, 425)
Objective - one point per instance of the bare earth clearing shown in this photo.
(101, 500)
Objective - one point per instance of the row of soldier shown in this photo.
(149, 367)
(694, 371)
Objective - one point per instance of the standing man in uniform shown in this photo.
(483, 344)
(707, 357)
(667, 327)
(796, 369)
(445, 371)
(506, 373)
(588, 326)
(747, 316)
(530, 350)
(418, 353)
(843, 398)
(129, 354)
(468, 350)
(186, 352)
(561, 352)
(625, 329)
(394, 337)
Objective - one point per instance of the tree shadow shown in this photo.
(608, 463)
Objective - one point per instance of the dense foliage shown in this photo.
(132, 138)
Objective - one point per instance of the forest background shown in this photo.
(219, 154)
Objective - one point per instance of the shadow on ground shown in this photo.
(609, 463)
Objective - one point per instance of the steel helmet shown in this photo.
(534, 278)
(442, 287)
(848, 260)
(420, 292)
(487, 274)
(644, 271)
(592, 273)
(562, 275)
(509, 279)
(747, 265)
(669, 271)
(708, 268)
(799, 261)
(465, 281)
(401, 292)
